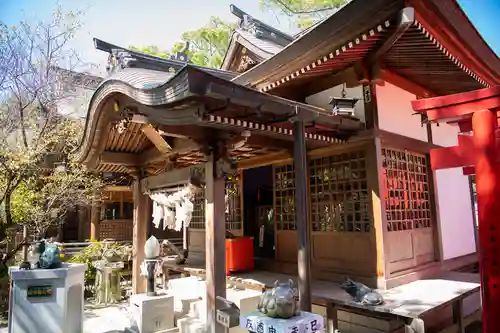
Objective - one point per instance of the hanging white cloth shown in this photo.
(158, 213)
(179, 216)
(176, 209)
(188, 211)
(168, 218)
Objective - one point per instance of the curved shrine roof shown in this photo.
(189, 103)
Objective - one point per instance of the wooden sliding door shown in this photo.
(410, 224)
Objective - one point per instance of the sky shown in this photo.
(161, 22)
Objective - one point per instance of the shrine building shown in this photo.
(308, 144)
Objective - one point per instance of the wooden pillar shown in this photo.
(215, 249)
(370, 104)
(122, 215)
(140, 221)
(484, 124)
(473, 208)
(434, 201)
(302, 215)
(95, 220)
(83, 223)
(377, 186)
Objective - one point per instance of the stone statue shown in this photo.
(361, 293)
(50, 256)
(279, 302)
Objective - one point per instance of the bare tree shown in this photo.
(38, 182)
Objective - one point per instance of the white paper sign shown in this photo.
(305, 322)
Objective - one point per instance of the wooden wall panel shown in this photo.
(286, 246)
(197, 240)
(345, 253)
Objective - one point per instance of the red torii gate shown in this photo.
(478, 152)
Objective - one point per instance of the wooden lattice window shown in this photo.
(284, 197)
(339, 194)
(233, 203)
(198, 216)
(116, 230)
(407, 196)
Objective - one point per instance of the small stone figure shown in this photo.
(279, 302)
(50, 256)
(361, 293)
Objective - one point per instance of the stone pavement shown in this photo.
(111, 319)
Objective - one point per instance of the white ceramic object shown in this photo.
(152, 248)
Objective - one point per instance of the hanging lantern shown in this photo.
(343, 106)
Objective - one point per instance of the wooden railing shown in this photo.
(69, 249)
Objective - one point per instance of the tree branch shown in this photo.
(12, 253)
(299, 12)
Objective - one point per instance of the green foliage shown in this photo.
(88, 256)
(303, 13)
(207, 45)
(23, 201)
(97, 251)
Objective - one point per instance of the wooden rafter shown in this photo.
(346, 48)
(404, 83)
(154, 136)
(405, 19)
(179, 146)
(121, 159)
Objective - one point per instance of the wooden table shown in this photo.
(411, 302)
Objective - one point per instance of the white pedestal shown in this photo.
(47, 300)
(153, 314)
(305, 322)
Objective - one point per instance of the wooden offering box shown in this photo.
(239, 254)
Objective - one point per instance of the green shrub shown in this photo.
(87, 256)
(95, 251)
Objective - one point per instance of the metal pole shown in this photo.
(151, 268)
(302, 215)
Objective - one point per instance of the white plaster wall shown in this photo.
(396, 114)
(453, 196)
(455, 207)
(323, 98)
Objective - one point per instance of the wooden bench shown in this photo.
(407, 308)
(195, 269)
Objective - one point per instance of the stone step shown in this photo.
(198, 310)
(191, 325)
(182, 308)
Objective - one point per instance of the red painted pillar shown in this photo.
(484, 124)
